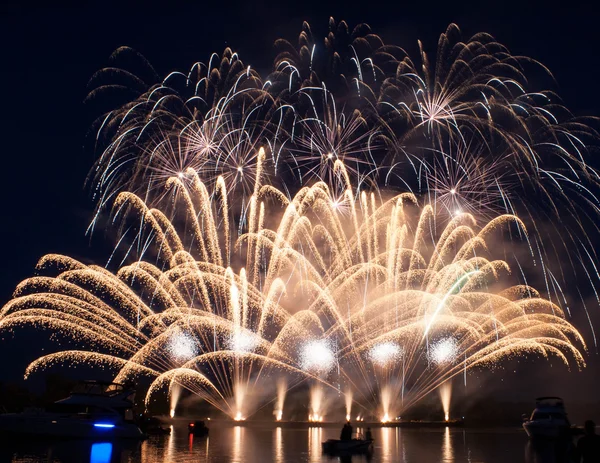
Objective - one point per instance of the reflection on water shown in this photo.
(101, 452)
(278, 446)
(550, 452)
(315, 437)
(385, 444)
(283, 444)
(170, 454)
(238, 434)
(447, 453)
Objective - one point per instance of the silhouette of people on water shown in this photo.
(588, 446)
(346, 432)
(368, 434)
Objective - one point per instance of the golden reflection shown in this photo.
(386, 445)
(402, 446)
(238, 436)
(359, 433)
(314, 444)
(171, 449)
(447, 450)
(278, 445)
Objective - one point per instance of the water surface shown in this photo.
(264, 444)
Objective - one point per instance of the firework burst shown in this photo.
(464, 122)
(257, 240)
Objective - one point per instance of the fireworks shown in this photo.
(243, 342)
(317, 356)
(463, 128)
(259, 243)
(385, 352)
(443, 351)
(311, 293)
(182, 346)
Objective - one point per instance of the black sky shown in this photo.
(49, 54)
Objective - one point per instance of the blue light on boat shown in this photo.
(104, 425)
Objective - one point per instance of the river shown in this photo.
(264, 444)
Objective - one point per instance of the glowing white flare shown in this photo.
(443, 351)
(317, 356)
(385, 352)
(243, 341)
(182, 346)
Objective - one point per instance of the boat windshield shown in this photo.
(549, 402)
(538, 415)
(98, 388)
(79, 409)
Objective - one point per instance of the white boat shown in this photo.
(549, 419)
(94, 410)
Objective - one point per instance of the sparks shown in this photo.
(268, 236)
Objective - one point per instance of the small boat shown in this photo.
(548, 420)
(198, 428)
(94, 410)
(336, 446)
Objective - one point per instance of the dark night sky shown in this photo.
(49, 54)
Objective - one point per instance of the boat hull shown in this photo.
(66, 427)
(546, 430)
(334, 446)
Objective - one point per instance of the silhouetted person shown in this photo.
(368, 434)
(346, 432)
(588, 446)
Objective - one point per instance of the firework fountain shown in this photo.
(262, 243)
(360, 298)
